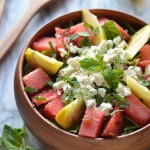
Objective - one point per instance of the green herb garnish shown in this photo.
(90, 64)
(144, 82)
(111, 77)
(52, 50)
(95, 31)
(30, 89)
(73, 81)
(120, 101)
(76, 35)
(50, 83)
(110, 30)
(85, 42)
(39, 98)
(14, 139)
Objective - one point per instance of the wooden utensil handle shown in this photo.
(14, 33)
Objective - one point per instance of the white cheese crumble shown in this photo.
(63, 52)
(147, 71)
(102, 91)
(90, 103)
(106, 108)
(122, 90)
(58, 85)
(117, 40)
(66, 71)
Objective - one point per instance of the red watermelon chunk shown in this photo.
(144, 63)
(53, 107)
(36, 79)
(137, 111)
(124, 33)
(44, 96)
(62, 37)
(115, 125)
(78, 29)
(42, 44)
(145, 52)
(92, 123)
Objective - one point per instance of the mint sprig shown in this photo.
(53, 51)
(76, 35)
(110, 30)
(14, 139)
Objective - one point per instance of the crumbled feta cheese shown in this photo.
(66, 86)
(108, 66)
(122, 45)
(117, 40)
(63, 52)
(106, 108)
(102, 91)
(122, 90)
(58, 85)
(147, 71)
(97, 78)
(138, 71)
(108, 58)
(58, 92)
(109, 44)
(90, 103)
(66, 71)
(102, 46)
(74, 62)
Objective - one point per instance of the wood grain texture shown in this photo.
(2, 7)
(59, 139)
(13, 11)
(15, 31)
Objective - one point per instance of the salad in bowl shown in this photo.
(92, 78)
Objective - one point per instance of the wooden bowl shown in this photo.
(58, 139)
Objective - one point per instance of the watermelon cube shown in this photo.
(36, 79)
(78, 29)
(44, 96)
(137, 111)
(42, 44)
(115, 126)
(92, 123)
(52, 108)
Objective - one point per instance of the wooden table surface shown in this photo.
(13, 10)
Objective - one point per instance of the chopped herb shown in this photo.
(90, 64)
(111, 77)
(144, 82)
(74, 129)
(50, 83)
(46, 52)
(76, 35)
(87, 25)
(99, 99)
(110, 30)
(120, 101)
(129, 129)
(95, 31)
(73, 81)
(30, 89)
(27, 69)
(52, 50)
(14, 139)
(112, 113)
(85, 42)
(119, 60)
(39, 98)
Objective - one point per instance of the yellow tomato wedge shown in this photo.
(71, 114)
(36, 59)
(91, 19)
(139, 90)
(137, 41)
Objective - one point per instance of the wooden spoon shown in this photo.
(14, 33)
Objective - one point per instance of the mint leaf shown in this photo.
(90, 64)
(85, 42)
(120, 101)
(144, 82)
(76, 35)
(73, 81)
(52, 50)
(50, 83)
(30, 89)
(39, 98)
(13, 139)
(95, 31)
(110, 30)
(111, 77)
